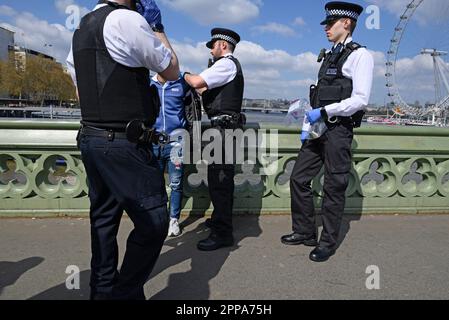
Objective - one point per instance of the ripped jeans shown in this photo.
(170, 156)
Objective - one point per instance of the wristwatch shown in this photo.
(324, 113)
(158, 27)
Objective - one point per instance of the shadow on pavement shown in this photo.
(10, 272)
(60, 292)
(204, 266)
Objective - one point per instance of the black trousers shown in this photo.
(333, 149)
(221, 191)
(123, 176)
(220, 178)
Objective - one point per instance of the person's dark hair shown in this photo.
(231, 47)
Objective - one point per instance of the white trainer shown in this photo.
(174, 230)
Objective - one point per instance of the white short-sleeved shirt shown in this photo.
(222, 72)
(130, 42)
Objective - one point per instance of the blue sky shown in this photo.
(280, 38)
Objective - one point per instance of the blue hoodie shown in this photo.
(172, 114)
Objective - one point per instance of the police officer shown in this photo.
(339, 98)
(222, 88)
(112, 52)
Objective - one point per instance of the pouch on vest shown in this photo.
(329, 95)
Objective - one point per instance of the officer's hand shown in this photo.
(313, 116)
(304, 136)
(150, 11)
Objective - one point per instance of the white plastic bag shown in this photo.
(296, 117)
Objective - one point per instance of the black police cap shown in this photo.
(223, 34)
(339, 9)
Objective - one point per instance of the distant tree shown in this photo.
(38, 78)
(12, 77)
(64, 89)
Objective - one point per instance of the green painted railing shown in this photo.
(395, 170)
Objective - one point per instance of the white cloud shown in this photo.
(268, 73)
(62, 5)
(34, 33)
(208, 12)
(39, 35)
(430, 11)
(7, 11)
(299, 21)
(275, 28)
(414, 78)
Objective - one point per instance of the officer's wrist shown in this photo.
(184, 74)
(324, 114)
(158, 27)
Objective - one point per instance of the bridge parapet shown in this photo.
(395, 170)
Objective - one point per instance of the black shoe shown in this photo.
(214, 242)
(100, 296)
(208, 223)
(321, 254)
(296, 239)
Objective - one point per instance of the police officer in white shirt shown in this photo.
(112, 52)
(222, 88)
(339, 98)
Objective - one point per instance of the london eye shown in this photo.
(425, 76)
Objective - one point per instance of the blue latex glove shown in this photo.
(313, 116)
(150, 11)
(304, 136)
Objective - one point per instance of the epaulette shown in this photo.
(354, 46)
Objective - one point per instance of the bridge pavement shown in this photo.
(410, 252)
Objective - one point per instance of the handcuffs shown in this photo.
(138, 132)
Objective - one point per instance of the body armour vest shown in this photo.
(226, 99)
(333, 86)
(111, 94)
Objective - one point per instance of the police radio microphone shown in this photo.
(210, 63)
(322, 55)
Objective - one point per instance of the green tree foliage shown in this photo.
(12, 77)
(36, 78)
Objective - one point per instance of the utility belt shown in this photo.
(227, 121)
(354, 121)
(326, 95)
(136, 132)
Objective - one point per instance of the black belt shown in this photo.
(355, 120)
(112, 135)
(345, 121)
(103, 133)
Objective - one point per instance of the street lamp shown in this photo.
(49, 45)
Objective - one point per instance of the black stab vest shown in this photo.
(110, 93)
(226, 99)
(333, 86)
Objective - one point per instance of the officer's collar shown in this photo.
(167, 83)
(348, 40)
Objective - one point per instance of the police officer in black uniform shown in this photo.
(339, 98)
(221, 87)
(112, 51)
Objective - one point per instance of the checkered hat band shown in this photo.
(225, 38)
(346, 13)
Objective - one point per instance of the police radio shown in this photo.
(322, 55)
